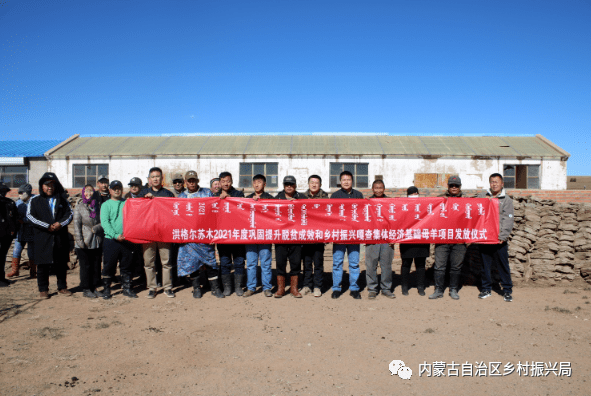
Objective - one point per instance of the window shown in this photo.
(249, 169)
(14, 176)
(359, 171)
(522, 176)
(88, 174)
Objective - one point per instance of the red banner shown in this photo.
(344, 221)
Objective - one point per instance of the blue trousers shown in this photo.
(338, 257)
(254, 253)
(19, 246)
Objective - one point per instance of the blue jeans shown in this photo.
(338, 257)
(18, 249)
(253, 254)
(499, 254)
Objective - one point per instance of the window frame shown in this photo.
(270, 184)
(532, 182)
(86, 174)
(11, 182)
(336, 183)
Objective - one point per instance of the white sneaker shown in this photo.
(317, 292)
(305, 290)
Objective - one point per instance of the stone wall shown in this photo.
(550, 242)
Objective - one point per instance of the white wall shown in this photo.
(397, 172)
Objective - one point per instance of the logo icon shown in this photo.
(398, 367)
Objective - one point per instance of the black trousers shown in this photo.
(285, 252)
(419, 263)
(90, 267)
(115, 251)
(59, 269)
(313, 264)
(5, 243)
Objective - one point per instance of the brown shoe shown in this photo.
(44, 295)
(280, 287)
(293, 287)
(64, 292)
(248, 293)
(32, 270)
(15, 265)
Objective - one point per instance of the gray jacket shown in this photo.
(506, 213)
(84, 225)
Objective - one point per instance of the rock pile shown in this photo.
(550, 241)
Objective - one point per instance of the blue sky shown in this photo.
(403, 67)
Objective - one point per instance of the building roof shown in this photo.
(287, 144)
(26, 148)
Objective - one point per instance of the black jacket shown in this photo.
(9, 224)
(340, 194)
(264, 195)
(297, 195)
(50, 247)
(163, 192)
(233, 193)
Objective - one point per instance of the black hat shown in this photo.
(454, 180)
(115, 184)
(103, 177)
(412, 190)
(25, 188)
(4, 187)
(289, 180)
(135, 181)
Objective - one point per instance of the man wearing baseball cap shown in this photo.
(454, 252)
(285, 251)
(135, 186)
(116, 248)
(178, 184)
(102, 193)
(192, 256)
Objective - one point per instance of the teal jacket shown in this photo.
(112, 218)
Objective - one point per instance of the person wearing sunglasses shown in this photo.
(453, 252)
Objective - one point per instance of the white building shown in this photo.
(400, 161)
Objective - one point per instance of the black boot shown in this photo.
(196, 286)
(126, 286)
(439, 280)
(227, 282)
(238, 284)
(215, 288)
(454, 283)
(405, 272)
(106, 288)
(421, 280)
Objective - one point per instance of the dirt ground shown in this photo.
(309, 346)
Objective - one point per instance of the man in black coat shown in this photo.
(8, 228)
(50, 213)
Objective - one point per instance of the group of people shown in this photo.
(40, 222)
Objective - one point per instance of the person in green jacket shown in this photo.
(115, 247)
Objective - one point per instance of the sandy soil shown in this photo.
(311, 346)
